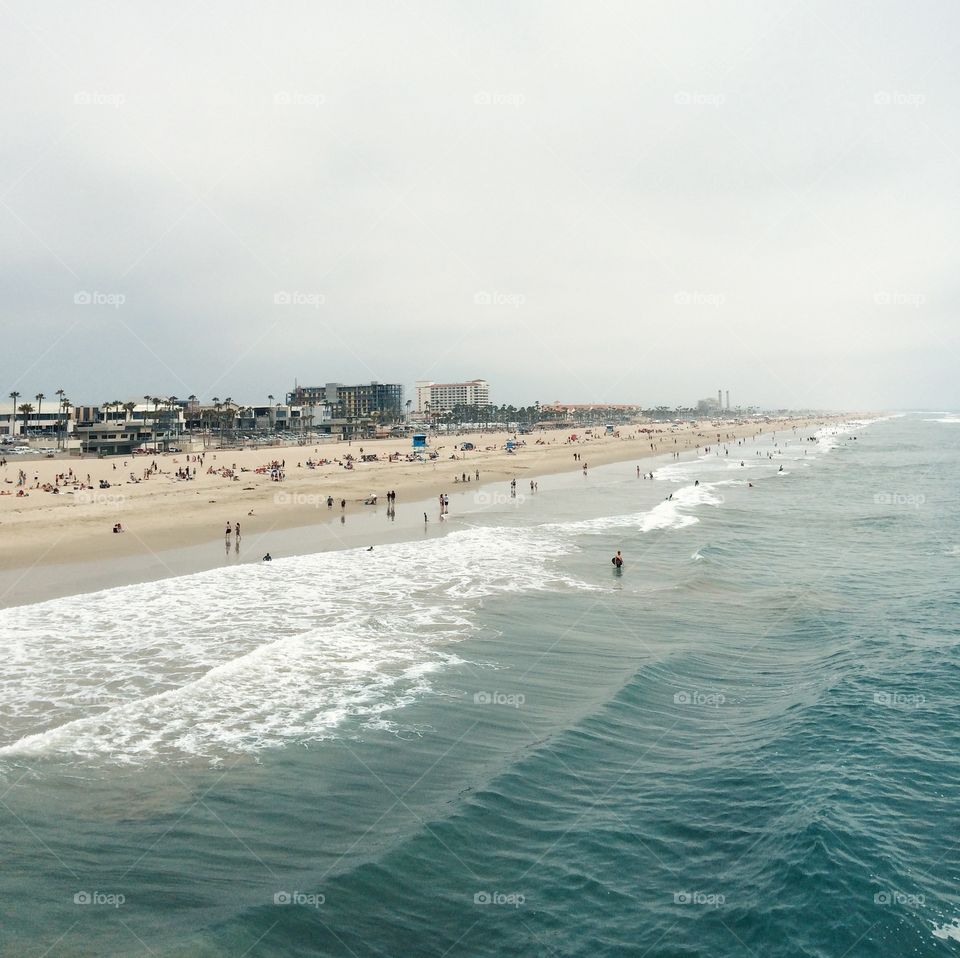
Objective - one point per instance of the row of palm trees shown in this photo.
(27, 409)
(222, 415)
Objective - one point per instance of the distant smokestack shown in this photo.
(728, 400)
(719, 399)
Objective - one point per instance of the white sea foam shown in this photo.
(952, 419)
(249, 657)
(947, 932)
(669, 514)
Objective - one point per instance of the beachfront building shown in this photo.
(366, 400)
(590, 413)
(45, 422)
(353, 410)
(117, 428)
(443, 397)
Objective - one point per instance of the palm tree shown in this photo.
(39, 398)
(13, 418)
(172, 402)
(64, 414)
(218, 416)
(60, 395)
(26, 409)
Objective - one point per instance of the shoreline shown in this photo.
(55, 551)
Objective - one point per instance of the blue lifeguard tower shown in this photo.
(419, 440)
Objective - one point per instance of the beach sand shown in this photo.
(58, 544)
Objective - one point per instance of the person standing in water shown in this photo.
(617, 560)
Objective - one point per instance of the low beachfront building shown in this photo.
(595, 413)
(47, 422)
(115, 429)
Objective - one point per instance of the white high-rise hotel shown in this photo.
(442, 397)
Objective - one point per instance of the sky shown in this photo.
(587, 202)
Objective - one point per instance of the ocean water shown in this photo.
(490, 743)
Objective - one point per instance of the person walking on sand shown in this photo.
(226, 532)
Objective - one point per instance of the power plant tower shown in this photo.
(719, 399)
(728, 400)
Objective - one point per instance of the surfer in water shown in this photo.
(617, 561)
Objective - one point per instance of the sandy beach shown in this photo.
(161, 512)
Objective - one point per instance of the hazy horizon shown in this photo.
(587, 203)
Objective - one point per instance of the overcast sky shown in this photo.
(634, 202)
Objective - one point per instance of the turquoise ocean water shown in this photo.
(489, 743)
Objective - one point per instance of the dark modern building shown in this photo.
(374, 400)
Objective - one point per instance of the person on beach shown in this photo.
(236, 531)
(267, 558)
(617, 560)
(226, 532)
